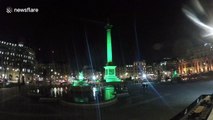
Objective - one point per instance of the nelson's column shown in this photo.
(110, 69)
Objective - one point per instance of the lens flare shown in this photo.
(208, 29)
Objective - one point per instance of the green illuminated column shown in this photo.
(110, 72)
(109, 43)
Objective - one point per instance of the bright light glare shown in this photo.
(144, 76)
(94, 89)
(195, 19)
(93, 77)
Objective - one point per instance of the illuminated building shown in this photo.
(17, 62)
(167, 67)
(125, 72)
(52, 72)
(139, 68)
(151, 69)
(134, 71)
(199, 59)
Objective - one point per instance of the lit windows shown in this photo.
(20, 45)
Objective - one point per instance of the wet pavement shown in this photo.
(157, 102)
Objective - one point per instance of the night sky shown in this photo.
(142, 29)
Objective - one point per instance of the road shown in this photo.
(157, 102)
(8, 93)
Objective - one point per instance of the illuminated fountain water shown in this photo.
(80, 92)
(80, 82)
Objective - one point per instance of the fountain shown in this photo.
(81, 92)
(80, 82)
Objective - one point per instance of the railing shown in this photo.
(184, 112)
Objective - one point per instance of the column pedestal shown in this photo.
(110, 74)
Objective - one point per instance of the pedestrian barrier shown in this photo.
(201, 108)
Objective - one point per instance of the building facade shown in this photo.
(139, 68)
(167, 68)
(198, 60)
(124, 72)
(52, 73)
(133, 71)
(17, 62)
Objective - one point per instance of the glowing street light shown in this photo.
(94, 77)
(144, 76)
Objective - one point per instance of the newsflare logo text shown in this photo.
(21, 10)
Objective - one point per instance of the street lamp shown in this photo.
(94, 77)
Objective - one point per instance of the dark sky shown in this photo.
(65, 26)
